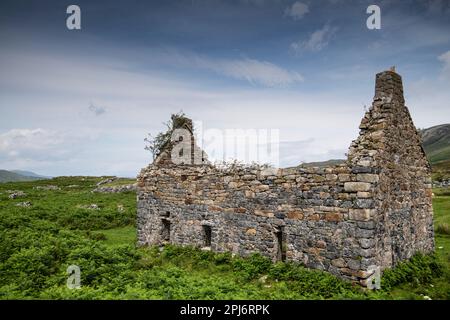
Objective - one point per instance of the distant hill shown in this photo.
(14, 176)
(30, 174)
(436, 142)
(321, 164)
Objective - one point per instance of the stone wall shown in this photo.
(373, 210)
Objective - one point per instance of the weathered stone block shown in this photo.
(361, 214)
(295, 215)
(339, 263)
(333, 217)
(249, 194)
(367, 177)
(363, 195)
(264, 213)
(233, 185)
(357, 186)
(344, 177)
(263, 187)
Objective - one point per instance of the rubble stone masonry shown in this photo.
(375, 210)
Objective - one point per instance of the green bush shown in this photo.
(419, 270)
(251, 267)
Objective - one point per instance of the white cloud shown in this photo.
(37, 144)
(317, 41)
(445, 58)
(297, 10)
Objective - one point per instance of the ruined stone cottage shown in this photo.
(374, 210)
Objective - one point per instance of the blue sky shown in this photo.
(82, 101)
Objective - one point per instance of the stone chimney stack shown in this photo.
(389, 87)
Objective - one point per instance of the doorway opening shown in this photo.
(165, 231)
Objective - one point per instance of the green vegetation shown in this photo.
(441, 205)
(156, 144)
(73, 226)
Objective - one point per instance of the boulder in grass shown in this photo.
(25, 204)
(17, 194)
(92, 206)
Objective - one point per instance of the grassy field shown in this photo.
(48, 229)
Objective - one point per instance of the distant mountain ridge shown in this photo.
(19, 175)
(30, 174)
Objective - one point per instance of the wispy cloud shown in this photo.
(317, 41)
(254, 71)
(297, 10)
(97, 110)
(445, 58)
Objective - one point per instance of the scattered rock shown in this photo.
(105, 181)
(49, 187)
(263, 279)
(17, 194)
(25, 204)
(89, 206)
(441, 184)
